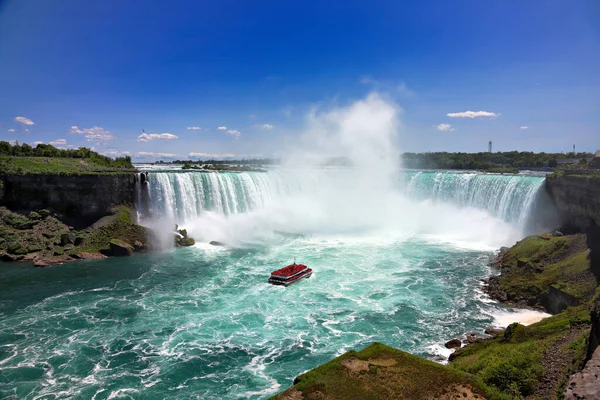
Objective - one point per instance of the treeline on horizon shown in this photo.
(472, 161)
(253, 161)
(47, 150)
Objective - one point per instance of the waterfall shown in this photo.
(508, 197)
(183, 196)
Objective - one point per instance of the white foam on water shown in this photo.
(523, 316)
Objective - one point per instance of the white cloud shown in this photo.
(168, 155)
(234, 133)
(24, 121)
(59, 142)
(11, 130)
(26, 130)
(94, 134)
(12, 142)
(211, 155)
(38, 142)
(472, 114)
(524, 127)
(264, 126)
(116, 153)
(445, 127)
(146, 137)
(193, 128)
(145, 154)
(222, 128)
(251, 116)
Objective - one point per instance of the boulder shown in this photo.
(138, 246)
(217, 243)
(183, 232)
(119, 248)
(187, 241)
(494, 332)
(473, 338)
(453, 344)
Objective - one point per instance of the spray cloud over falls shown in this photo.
(366, 200)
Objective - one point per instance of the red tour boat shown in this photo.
(290, 274)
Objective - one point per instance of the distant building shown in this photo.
(595, 163)
(490, 147)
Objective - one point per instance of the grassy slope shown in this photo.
(513, 365)
(48, 165)
(537, 262)
(391, 373)
(119, 226)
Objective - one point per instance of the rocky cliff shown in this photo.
(81, 199)
(577, 198)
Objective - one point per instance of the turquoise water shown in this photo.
(202, 322)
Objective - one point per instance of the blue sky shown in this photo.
(97, 73)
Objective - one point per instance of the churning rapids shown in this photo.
(402, 267)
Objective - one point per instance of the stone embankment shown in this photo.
(78, 199)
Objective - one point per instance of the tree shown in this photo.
(5, 148)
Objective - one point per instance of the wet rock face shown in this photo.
(119, 248)
(577, 198)
(82, 198)
(585, 384)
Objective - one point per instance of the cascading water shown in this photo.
(509, 197)
(398, 258)
(185, 197)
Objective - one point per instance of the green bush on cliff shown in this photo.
(513, 364)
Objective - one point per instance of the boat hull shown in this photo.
(295, 279)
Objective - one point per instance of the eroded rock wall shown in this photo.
(80, 198)
(577, 198)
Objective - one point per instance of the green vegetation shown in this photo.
(222, 167)
(47, 159)
(119, 226)
(537, 262)
(486, 161)
(43, 237)
(382, 372)
(504, 170)
(512, 365)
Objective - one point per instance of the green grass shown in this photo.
(120, 228)
(537, 262)
(408, 377)
(511, 364)
(53, 166)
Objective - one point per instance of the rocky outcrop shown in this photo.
(118, 248)
(42, 239)
(81, 199)
(544, 271)
(559, 300)
(585, 384)
(577, 198)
